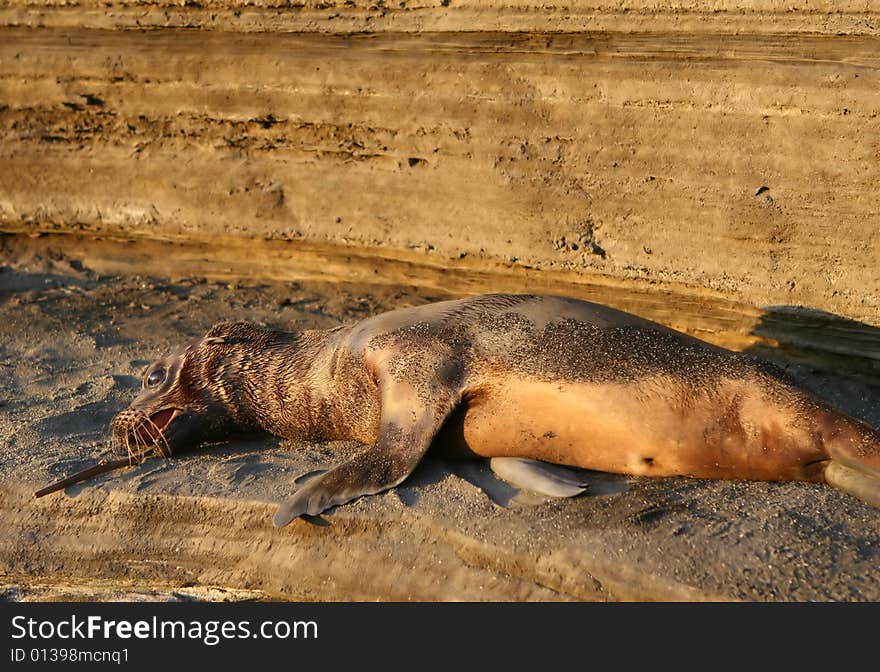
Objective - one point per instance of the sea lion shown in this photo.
(547, 378)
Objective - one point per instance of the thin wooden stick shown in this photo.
(99, 468)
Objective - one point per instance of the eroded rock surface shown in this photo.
(733, 148)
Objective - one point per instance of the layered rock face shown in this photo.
(734, 147)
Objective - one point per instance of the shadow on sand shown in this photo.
(835, 357)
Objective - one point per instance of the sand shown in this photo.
(198, 526)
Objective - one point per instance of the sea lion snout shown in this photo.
(133, 429)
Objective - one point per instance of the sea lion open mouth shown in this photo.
(155, 425)
(133, 431)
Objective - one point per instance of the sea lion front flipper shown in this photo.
(542, 477)
(406, 428)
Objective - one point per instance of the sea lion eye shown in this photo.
(156, 377)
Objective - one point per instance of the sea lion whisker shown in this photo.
(143, 445)
(129, 449)
(160, 447)
(138, 446)
(166, 451)
(127, 445)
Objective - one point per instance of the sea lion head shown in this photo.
(190, 396)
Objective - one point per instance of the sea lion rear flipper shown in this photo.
(407, 427)
(548, 479)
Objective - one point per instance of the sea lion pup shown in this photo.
(501, 376)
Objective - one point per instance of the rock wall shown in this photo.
(733, 146)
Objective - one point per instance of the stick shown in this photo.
(99, 468)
